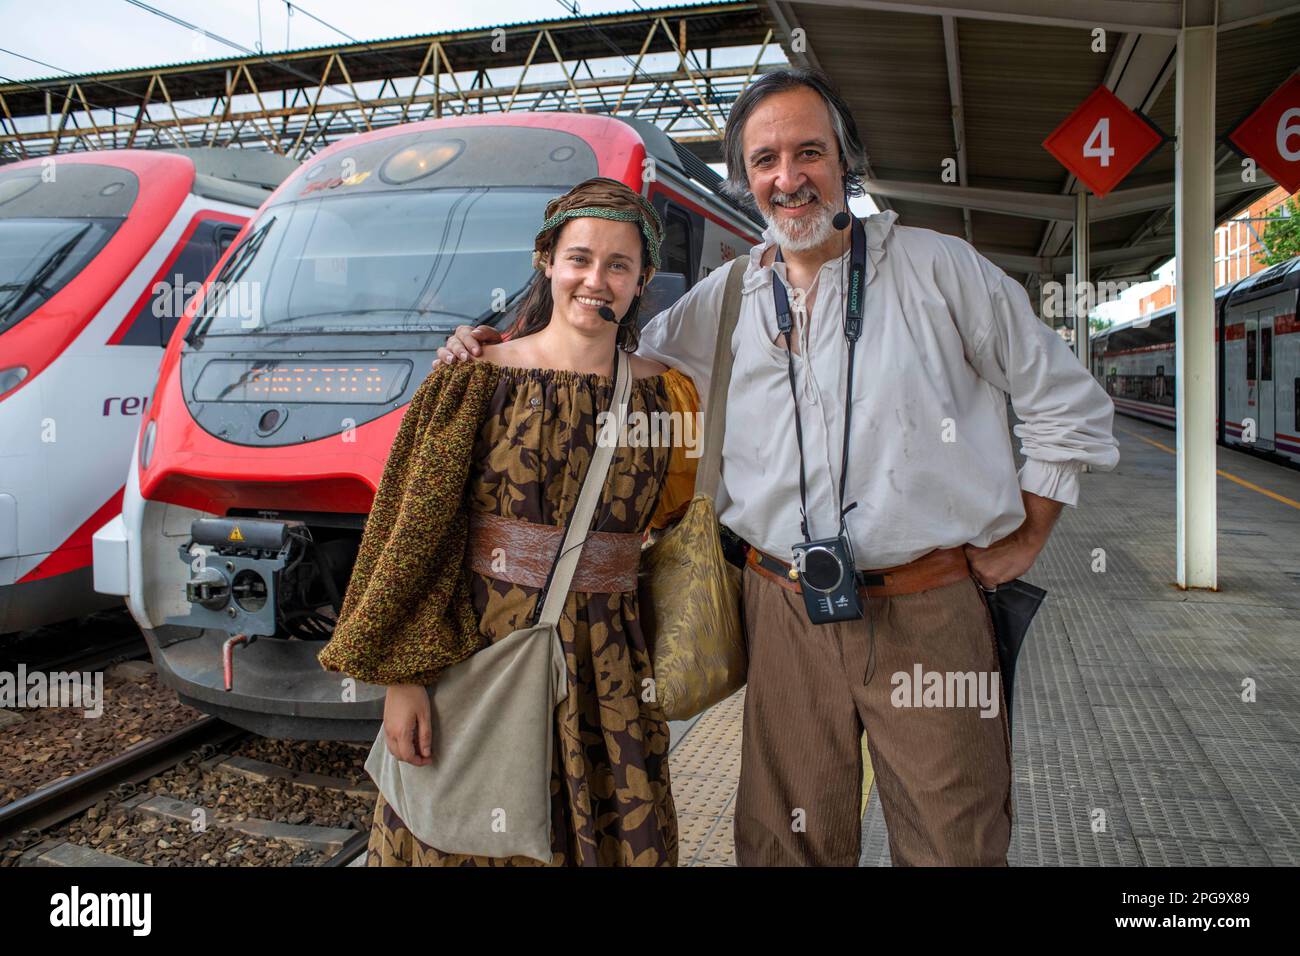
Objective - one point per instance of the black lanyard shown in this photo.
(852, 330)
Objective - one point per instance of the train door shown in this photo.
(1267, 421)
(1250, 414)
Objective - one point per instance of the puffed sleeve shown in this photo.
(408, 614)
(679, 482)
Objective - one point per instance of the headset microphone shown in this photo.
(606, 313)
(842, 219)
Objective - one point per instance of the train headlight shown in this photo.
(10, 377)
(146, 443)
(420, 160)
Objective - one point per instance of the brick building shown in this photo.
(1237, 250)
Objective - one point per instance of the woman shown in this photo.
(509, 438)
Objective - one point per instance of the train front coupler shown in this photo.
(236, 567)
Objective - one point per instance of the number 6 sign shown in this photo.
(1271, 135)
(1103, 141)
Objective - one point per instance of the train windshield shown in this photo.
(393, 260)
(38, 257)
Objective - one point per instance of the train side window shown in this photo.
(162, 308)
(1266, 355)
(1251, 366)
(223, 236)
(675, 251)
(1296, 405)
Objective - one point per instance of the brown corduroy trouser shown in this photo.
(943, 773)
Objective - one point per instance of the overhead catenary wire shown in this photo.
(571, 7)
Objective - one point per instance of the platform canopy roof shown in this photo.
(984, 82)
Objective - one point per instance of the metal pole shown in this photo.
(1194, 325)
(1045, 315)
(1081, 276)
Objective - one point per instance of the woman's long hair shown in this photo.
(534, 312)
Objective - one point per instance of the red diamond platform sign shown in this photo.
(1271, 135)
(1103, 141)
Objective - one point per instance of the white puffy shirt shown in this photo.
(946, 336)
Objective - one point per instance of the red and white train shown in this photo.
(95, 250)
(257, 463)
(1257, 340)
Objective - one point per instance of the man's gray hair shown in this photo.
(736, 184)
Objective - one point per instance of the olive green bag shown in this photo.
(689, 592)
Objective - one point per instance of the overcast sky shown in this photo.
(85, 36)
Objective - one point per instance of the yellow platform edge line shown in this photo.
(1219, 471)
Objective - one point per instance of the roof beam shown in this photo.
(1055, 265)
(1050, 206)
(1143, 16)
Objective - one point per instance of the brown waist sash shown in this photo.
(521, 552)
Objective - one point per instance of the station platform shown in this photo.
(1131, 742)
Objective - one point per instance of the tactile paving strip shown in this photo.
(704, 767)
(705, 795)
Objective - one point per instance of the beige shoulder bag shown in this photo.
(487, 790)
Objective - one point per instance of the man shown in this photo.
(932, 505)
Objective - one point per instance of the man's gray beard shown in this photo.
(810, 235)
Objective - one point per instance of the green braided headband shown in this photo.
(620, 215)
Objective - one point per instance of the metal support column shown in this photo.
(1048, 318)
(1081, 275)
(1082, 278)
(1194, 324)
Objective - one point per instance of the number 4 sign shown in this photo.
(1271, 135)
(1103, 141)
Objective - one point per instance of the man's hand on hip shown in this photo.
(467, 341)
(1009, 558)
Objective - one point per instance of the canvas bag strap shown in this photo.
(576, 534)
(708, 474)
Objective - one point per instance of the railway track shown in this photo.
(133, 804)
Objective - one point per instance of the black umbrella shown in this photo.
(1012, 605)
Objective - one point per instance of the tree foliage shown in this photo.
(1281, 236)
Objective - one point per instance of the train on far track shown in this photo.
(257, 463)
(1257, 348)
(97, 252)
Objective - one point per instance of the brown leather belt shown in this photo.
(520, 552)
(941, 566)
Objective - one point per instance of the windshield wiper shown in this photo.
(39, 277)
(233, 271)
